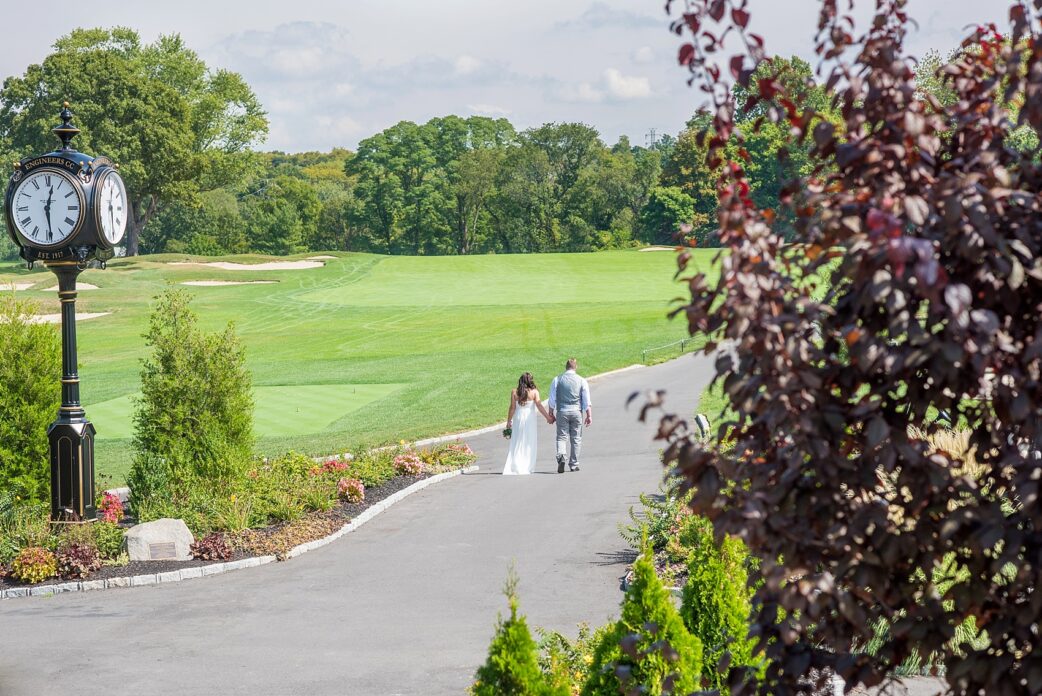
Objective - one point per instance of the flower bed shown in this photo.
(279, 504)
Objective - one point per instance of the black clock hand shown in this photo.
(47, 210)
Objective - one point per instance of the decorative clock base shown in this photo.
(72, 470)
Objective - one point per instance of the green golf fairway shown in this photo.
(280, 411)
(430, 345)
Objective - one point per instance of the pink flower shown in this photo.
(351, 490)
(408, 464)
(111, 508)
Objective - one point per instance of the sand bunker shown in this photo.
(57, 318)
(269, 266)
(17, 287)
(322, 258)
(79, 286)
(217, 283)
(659, 248)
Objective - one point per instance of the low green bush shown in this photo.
(23, 524)
(567, 662)
(108, 538)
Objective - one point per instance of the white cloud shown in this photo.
(341, 128)
(489, 109)
(643, 55)
(623, 87)
(465, 65)
(612, 86)
(600, 15)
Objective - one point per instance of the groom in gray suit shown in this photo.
(570, 409)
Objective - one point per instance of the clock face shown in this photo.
(47, 207)
(111, 207)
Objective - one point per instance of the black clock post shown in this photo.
(71, 435)
(68, 211)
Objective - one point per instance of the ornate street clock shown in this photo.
(68, 210)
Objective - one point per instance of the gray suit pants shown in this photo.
(569, 428)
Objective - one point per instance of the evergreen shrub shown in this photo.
(30, 393)
(193, 424)
(648, 650)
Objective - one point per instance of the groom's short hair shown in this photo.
(571, 364)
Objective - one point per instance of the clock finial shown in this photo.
(66, 131)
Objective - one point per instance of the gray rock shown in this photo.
(161, 540)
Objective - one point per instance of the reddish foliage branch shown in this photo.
(930, 226)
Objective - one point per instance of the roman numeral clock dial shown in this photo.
(48, 208)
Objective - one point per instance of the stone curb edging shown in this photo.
(502, 424)
(217, 568)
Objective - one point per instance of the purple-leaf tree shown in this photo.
(924, 222)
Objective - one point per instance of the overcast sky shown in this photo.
(333, 72)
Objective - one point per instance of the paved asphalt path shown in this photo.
(405, 605)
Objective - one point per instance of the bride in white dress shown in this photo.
(522, 420)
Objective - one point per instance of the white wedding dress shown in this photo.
(524, 438)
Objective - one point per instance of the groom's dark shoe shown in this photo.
(560, 464)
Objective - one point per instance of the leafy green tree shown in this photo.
(524, 207)
(194, 419)
(209, 226)
(175, 126)
(30, 393)
(468, 153)
(473, 180)
(512, 666)
(649, 650)
(667, 211)
(280, 214)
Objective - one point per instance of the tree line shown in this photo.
(186, 136)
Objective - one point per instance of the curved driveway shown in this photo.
(405, 605)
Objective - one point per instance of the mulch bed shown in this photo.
(337, 517)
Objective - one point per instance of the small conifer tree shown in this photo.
(717, 601)
(649, 650)
(194, 420)
(512, 667)
(30, 393)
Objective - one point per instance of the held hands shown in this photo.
(550, 419)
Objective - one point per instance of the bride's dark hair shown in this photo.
(524, 385)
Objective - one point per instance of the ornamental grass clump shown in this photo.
(77, 561)
(351, 490)
(408, 464)
(34, 564)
